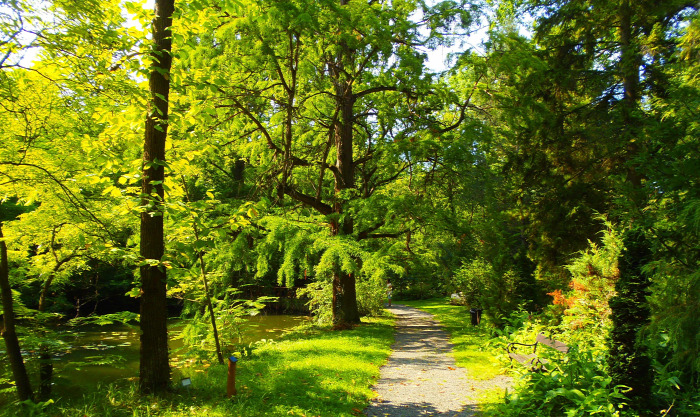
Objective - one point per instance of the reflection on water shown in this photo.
(103, 354)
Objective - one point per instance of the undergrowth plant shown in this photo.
(577, 383)
(231, 313)
(483, 286)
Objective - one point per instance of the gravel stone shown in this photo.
(421, 378)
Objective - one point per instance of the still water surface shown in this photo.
(79, 369)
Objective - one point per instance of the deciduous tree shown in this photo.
(154, 370)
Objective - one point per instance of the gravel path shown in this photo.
(421, 378)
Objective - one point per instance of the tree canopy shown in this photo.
(208, 153)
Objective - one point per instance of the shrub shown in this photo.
(575, 386)
(593, 275)
(371, 295)
(319, 295)
(484, 287)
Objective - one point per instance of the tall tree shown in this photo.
(44, 112)
(343, 78)
(576, 123)
(154, 369)
(673, 168)
(621, 61)
(9, 334)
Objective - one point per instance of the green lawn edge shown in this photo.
(310, 372)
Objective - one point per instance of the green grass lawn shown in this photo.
(311, 372)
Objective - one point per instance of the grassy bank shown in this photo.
(311, 372)
(473, 346)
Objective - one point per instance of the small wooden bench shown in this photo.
(531, 360)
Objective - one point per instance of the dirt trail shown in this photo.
(421, 378)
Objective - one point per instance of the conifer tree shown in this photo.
(629, 362)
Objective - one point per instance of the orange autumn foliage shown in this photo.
(560, 299)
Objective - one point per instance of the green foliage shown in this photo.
(574, 384)
(124, 317)
(230, 311)
(578, 386)
(371, 296)
(489, 179)
(484, 287)
(594, 273)
(581, 318)
(319, 295)
(674, 328)
(577, 383)
(673, 213)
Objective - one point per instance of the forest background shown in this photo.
(233, 148)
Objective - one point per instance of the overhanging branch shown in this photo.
(310, 201)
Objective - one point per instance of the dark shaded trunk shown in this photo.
(344, 301)
(345, 310)
(14, 354)
(629, 360)
(238, 174)
(154, 370)
(630, 64)
(45, 373)
(45, 362)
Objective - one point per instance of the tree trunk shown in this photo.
(630, 63)
(210, 306)
(14, 354)
(154, 369)
(629, 360)
(344, 304)
(45, 362)
(347, 312)
(205, 281)
(212, 314)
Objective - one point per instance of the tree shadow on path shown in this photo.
(417, 409)
(421, 377)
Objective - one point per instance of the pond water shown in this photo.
(83, 367)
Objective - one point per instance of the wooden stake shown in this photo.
(231, 382)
